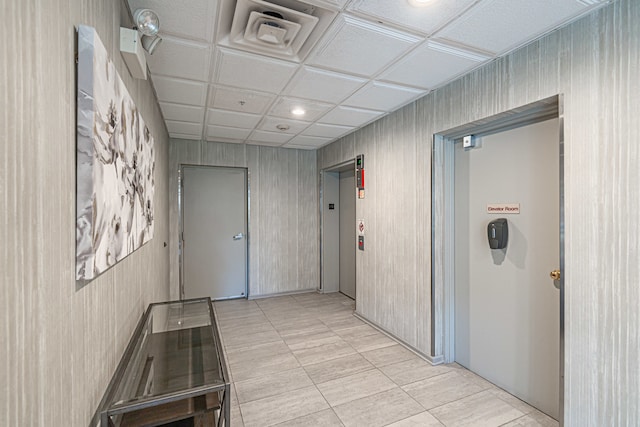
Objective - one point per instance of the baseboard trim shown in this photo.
(282, 294)
(433, 360)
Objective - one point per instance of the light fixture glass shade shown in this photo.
(150, 43)
(147, 22)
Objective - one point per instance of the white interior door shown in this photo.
(506, 305)
(214, 253)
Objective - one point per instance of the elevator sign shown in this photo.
(360, 227)
(503, 208)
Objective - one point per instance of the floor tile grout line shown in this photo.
(471, 395)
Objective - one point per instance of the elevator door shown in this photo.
(506, 305)
(348, 233)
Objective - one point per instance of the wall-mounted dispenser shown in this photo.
(498, 233)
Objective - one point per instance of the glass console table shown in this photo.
(173, 369)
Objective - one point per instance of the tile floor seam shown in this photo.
(437, 418)
(422, 379)
(324, 382)
(456, 400)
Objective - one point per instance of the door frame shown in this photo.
(180, 236)
(442, 229)
(334, 168)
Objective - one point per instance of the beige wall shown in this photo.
(59, 344)
(595, 63)
(283, 212)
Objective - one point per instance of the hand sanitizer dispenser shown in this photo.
(498, 233)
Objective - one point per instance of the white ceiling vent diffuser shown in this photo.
(263, 27)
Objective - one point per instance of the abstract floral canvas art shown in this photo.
(115, 164)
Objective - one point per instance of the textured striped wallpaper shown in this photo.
(283, 212)
(59, 343)
(595, 63)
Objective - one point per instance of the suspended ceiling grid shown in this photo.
(363, 59)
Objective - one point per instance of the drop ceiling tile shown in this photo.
(182, 113)
(227, 132)
(313, 110)
(180, 91)
(356, 46)
(383, 96)
(269, 137)
(175, 14)
(256, 72)
(424, 19)
(272, 123)
(308, 141)
(321, 85)
(327, 131)
(501, 25)
(431, 65)
(335, 4)
(232, 119)
(180, 58)
(244, 101)
(185, 128)
(347, 116)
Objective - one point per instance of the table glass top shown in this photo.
(175, 351)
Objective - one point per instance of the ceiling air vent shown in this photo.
(264, 27)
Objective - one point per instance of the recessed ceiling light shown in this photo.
(419, 3)
(297, 111)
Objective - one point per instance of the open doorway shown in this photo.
(338, 233)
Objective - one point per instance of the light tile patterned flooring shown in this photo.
(305, 360)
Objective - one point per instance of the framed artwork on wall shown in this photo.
(115, 163)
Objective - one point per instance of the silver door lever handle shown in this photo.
(238, 236)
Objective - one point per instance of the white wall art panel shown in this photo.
(115, 164)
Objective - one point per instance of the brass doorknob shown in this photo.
(555, 274)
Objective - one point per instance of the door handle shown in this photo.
(238, 236)
(556, 276)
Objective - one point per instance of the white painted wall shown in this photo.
(594, 64)
(507, 309)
